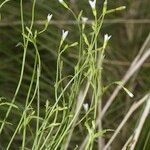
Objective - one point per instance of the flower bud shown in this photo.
(86, 106)
(64, 34)
(49, 17)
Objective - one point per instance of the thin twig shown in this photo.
(134, 107)
(141, 124)
(73, 22)
(115, 62)
(127, 143)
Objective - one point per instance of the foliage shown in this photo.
(46, 111)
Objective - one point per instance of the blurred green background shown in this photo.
(129, 30)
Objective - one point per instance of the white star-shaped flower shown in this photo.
(92, 4)
(106, 37)
(49, 17)
(64, 34)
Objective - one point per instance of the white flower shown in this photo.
(86, 106)
(84, 19)
(92, 4)
(49, 17)
(64, 34)
(61, 1)
(106, 38)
